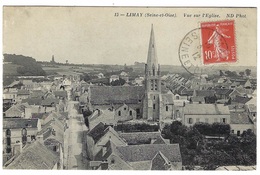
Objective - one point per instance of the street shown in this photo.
(75, 130)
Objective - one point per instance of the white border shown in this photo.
(179, 3)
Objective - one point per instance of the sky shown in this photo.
(94, 35)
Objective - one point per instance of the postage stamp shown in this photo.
(218, 42)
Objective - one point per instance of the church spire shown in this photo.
(152, 57)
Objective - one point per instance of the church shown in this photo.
(149, 102)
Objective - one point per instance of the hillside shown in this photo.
(24, 65)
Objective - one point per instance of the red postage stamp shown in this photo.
(218, 42)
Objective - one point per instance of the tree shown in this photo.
(241, 74)
(119, 82)
(248, 72)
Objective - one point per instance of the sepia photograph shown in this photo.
(129, 88)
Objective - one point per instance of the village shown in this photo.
(124, 119)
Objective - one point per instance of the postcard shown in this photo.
(129, 88)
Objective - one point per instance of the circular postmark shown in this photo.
(195, 52)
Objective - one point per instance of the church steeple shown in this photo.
(152, 57)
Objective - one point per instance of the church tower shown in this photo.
(151, 107)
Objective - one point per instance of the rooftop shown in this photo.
(35, 156)
(240, 118)
(206, 109)
(14, 123)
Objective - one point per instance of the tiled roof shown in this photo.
(206, 109)
(13, 123)
(116, 94)
(23, 92)
(135, 153)
(32, 101)
(142, 137)
(239, 118)
(35, 156)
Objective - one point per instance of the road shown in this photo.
(74, 138)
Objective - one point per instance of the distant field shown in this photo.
(10, 69)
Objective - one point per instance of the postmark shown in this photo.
(203, 47)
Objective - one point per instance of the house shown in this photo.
(105, 116)
(113, 78)
(141, 157)
(35, 156)
(208, 113)
(239, 122)
(22, 110)
(99, 136)
(124, 113)
(17, 130)
(100, 75)
(138, 81)
(10, 96)
(22, 94)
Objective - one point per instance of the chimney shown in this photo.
(17, 149)
(40, 138)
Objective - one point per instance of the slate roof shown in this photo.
(49, 101)
(142, 137)
(160, 162)
(252, 108)
(23, 92)
(35, 156)
(240, 118)
(115, 94)
(135, 153)
(37, 93)
(205, 93)
(40, 115)
(241, 99)
(32, 101)
(206, 109)
(97, 132)
(223, 91)
(167, 98)
(60, 94)
(14, 123)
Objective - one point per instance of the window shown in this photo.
(224, 120)
(238, 133)
(166, 108)
(190, 120)
(119, 113)
(124, 108)
(177, 97)
(154, 97)
(130, 113)
(153, 106)
(206, 120)
(8, 141)
(24, 136)
(232, 131)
